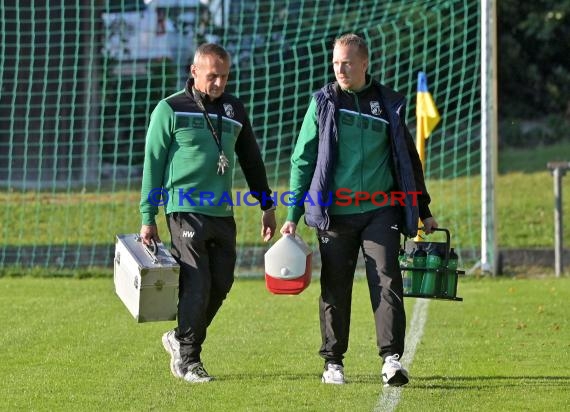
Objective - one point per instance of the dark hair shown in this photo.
(352, 39)
(209, 49)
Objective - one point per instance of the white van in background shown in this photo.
(138, 31)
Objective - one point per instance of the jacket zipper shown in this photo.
(361, 120)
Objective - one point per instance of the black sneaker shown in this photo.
(195, 373)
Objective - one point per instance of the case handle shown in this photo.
(151, 249)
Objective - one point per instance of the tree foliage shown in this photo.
(533, 57)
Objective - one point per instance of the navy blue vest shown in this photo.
(316, 215)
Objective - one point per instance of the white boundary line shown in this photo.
(390, 396)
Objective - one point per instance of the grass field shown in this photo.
(69, 344)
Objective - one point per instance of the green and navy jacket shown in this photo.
(356, 142)
(181, 157)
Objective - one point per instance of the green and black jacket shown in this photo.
(181, 157)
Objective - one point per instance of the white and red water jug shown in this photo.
(288, 266)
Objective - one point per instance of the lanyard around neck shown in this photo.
(223, 162)
(217, 137)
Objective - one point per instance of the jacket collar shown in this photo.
(189, 88)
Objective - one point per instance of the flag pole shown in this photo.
(427, 118)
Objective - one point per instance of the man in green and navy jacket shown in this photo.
(358, 179)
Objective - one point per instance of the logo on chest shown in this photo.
(228, 108)
(375, 108)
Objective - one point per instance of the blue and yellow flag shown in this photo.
(427, 116)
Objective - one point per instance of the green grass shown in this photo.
(533, 160)
(69, 344)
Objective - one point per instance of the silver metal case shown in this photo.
(146, 282)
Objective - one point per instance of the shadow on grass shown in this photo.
(482, 382)
(455, 382)
(268, 376)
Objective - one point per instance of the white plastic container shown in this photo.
(288, 266)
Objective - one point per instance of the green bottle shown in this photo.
(406, 275)
(419, 262)
(450, 282)
(430, 281)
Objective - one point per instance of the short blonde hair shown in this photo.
(352, 39)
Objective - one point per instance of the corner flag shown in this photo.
(427, 116)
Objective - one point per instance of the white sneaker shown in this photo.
(393, 374)
(333, 374)
(197, 374)
(172, 346)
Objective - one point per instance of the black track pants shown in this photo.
(205, 248)
(377, 234)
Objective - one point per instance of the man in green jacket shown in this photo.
(358, 179)
(191, 143)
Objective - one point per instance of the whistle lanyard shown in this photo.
(223, 162)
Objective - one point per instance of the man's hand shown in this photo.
(149, 232)
(268, 224)
(429, 225)
(289, 228)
